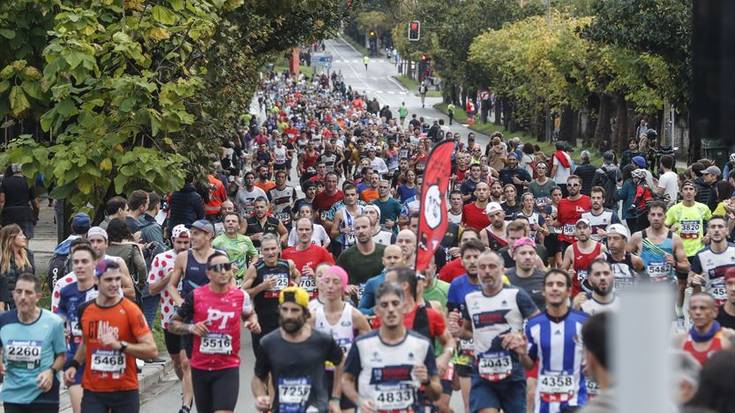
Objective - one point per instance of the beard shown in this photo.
(602, 291)
(291, 326)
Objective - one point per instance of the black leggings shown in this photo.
(31, 408)
(215, 390)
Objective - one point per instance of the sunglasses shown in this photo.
(220, 267)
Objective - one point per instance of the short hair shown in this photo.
(455, 192)
(251, 173)
(412, 215)
(526, 195)
(261, 199)
(473, 244)
(574, 177)
(311, 223)
(154, 200)
(270, 237)
(657, 204)
(239, 218)
(599, 189)
(137, 199)
(517, 225)
(114, 204)
(333, 174)
(407, 275)
(279, 172)
(32, 278)
(85, 247)
(667, 161)
(118, 231)
(600, 261)
(595, 337)
(567, 277)
(348, 187)
(216, 254)
(389, 288)
(714, 217)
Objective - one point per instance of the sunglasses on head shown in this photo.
(226, 266)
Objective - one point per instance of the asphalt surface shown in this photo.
(377, 81)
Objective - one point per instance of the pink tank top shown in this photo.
(222, 312)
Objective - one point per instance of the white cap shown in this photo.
(493, 207)
(619, 229)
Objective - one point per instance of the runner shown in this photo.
(215, 310)
(579, 256)
(261, 223)
(627, 268)
(661, 250)
(706, 336)
(726, 314)
(159, 281)
(390, 365)
(392, 258)
(570, 209)
(319, 235)
(114, 334)
(494, 317)
(282, 197)
(494, 235)
(306, 256)
(553, 343)
(525, 274)
(299, 382)
(340, 320)
(33, 351)
(264, 281)
(599, 216)
(343, 226)
(710, 264)
(602, 298)
(474, 214)
(238, 247)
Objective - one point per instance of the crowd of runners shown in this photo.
(305, 234)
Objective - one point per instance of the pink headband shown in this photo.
(525, 241)
(338, 271)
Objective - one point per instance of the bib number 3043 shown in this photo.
(495, 366)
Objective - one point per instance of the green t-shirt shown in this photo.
(359, 267)
(690, 224)
(240, 250)
(403, 111)
(542, 191)
(438, 291)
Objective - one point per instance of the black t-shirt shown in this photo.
(297, 369)
(18, 196)
(725, 319)
(533, 285)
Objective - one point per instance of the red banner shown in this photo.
(433, 220)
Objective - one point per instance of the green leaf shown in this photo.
(4, 85)
(62, 192)
(7, 33)
(163, 15)
(85, 184)
(120, 182)
(66, 108)
(33, 89)
(177, 5)
(18, 101)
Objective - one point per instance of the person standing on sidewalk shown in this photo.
(19, 203)
(115, 334)
(422, 91)
(33, 351)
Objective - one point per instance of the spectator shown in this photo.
(18, 201)
(586, 172)
(185, 205)
(15, 259)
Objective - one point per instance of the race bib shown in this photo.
(394, 397)
(495, 366)
(568, 229)
(24, 354)
(689, 229)
(108, 361)
(293, 393)
(717, 289)
(360, 291)
(658, 271)
(284, 217)
(281, 281)
(556, 387)
(215, 343)
(75, 329)
(621, 283)
(592, 388)
(308, 283)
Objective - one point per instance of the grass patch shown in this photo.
(489, 128)
(158, 336)
(282, 65)
(413, 86)
(359, 47)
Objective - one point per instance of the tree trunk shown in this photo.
(499, 101)
(621, 122)
(566, 126)
(602, 129)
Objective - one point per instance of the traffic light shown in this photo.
(372, 33)
(414, 30)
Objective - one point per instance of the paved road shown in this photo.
(376, 81)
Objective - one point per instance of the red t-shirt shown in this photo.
(474, 217)
(452, 270)
(437, 325)
(568, 213)
(324, 201)
(311, 257)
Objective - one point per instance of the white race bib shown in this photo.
(658, 271)
(394, 397)
(495, 366)
(293, 392)
(569, 229)
(214, 343)
(108, 361)
(556, 387)
(281, 281)
(23, 353)
(307, 283)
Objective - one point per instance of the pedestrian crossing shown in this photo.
(385, 92)
(356, 60)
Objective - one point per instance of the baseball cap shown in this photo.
(513, 155)
(203, 225)
(640, 161)
(296, 295)
(583, 221)
(618, 229)
(712, 170)
(493, 207)
(105, 265)
(180, 231)
(373, 207)
(81, 223)
(97, 232)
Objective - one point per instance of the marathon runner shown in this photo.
(392, 258)
(661, 250)
(261, 223)
(627, 268)
(385, 369)
(239, 248)
(494, 235)
(215, 311)
(114, 334)
(299, 381)
(33, 351)
(579, 255)
(282, 198)
(553, 342)
(706, 335)
(264, 281)
(710, 264)
(570, 209)
(602, 297)
(343, 227)
(494, 317)
(159, 281)
(306, 255)
(599, 216)
(340, 320)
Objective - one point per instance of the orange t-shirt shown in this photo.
(369, 194)
(107, 370)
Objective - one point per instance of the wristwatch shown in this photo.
(123, 346)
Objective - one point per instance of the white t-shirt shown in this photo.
(669, 181)
(244, 198)
(379, 165)
(383, 237)
(562, 173)
(318, 237)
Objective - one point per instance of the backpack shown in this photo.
(644, 196)
(58, 266)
